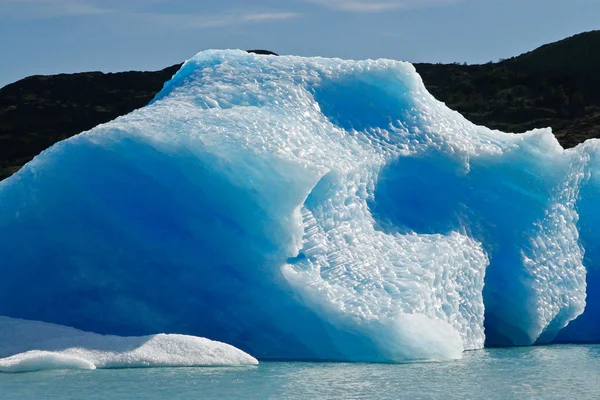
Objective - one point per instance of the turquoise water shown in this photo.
(553, 372)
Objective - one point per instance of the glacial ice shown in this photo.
(32, 346)
(305, 208)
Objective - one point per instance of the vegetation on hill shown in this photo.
(38, 111)
(556, 85)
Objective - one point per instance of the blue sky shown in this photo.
(51, 36)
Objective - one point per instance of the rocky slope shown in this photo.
(556, 85)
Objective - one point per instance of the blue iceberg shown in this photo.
(306, 208)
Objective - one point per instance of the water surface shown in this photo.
(553, 372)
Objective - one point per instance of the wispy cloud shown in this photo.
(136, 10)
(260, 17)
(366, 6)
(203, 21)
(43, 9)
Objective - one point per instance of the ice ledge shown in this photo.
(33, 346)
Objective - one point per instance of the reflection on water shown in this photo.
(552, 372)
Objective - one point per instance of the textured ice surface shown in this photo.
(586, 328)
(33, 346)
(305, 209)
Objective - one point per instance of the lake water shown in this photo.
(552, 372)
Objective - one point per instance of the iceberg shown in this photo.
(305, 208)
(32, 346)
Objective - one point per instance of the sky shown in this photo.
(54, 36)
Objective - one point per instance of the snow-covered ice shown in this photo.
(33, 346)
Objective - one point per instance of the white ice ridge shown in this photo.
(32, 346)
(305, 208)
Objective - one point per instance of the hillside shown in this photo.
(39, 111)
(556, 85)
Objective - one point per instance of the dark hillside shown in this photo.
(556, 85)
(39, 111)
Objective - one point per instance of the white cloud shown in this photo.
(203, 21)
(43, 9)
(134, 10)
(367, 6)
(260, 17)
